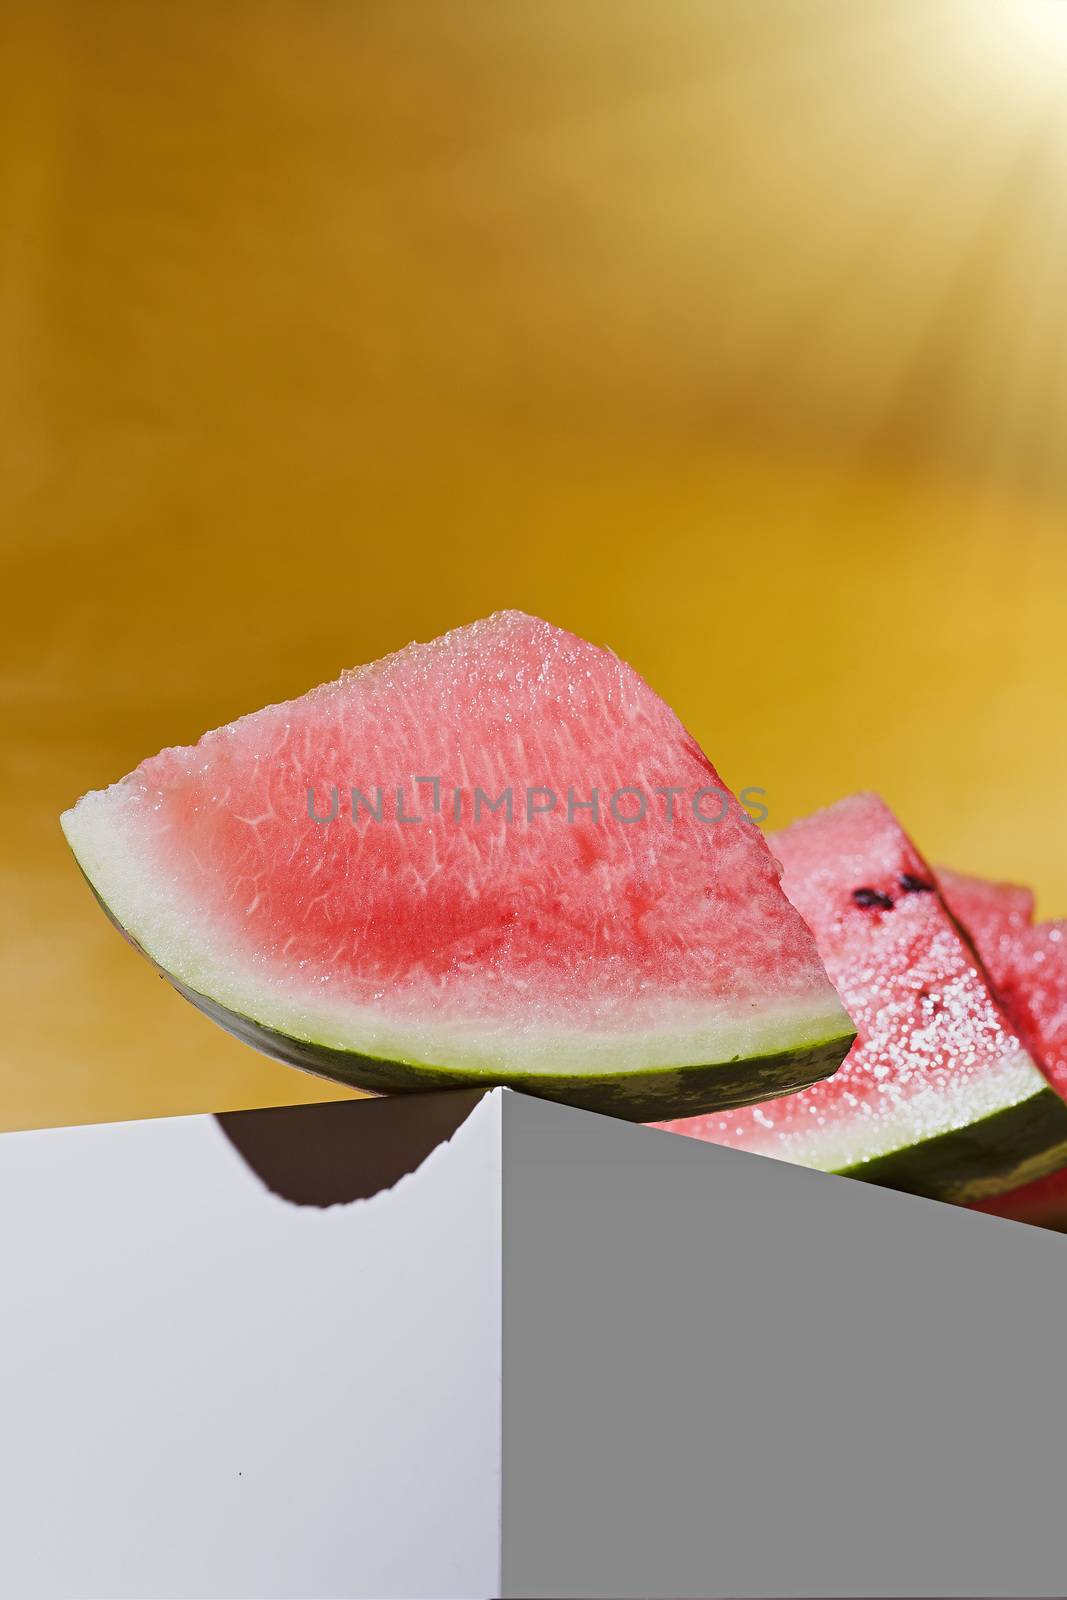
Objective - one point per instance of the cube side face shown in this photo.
(209, 1389)
(726, 1376)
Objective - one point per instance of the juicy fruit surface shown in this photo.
(935, 1054)
(456, 939)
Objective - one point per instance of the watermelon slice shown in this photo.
(939, 1095)
(1029, 968)
(494, 858)
(1036, 996)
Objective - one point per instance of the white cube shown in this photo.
(480, 1345)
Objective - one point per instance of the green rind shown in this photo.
(653, 1096)
(656, 1095)
(998, 1152)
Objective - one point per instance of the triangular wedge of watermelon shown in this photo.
(939, 1095)
(638, 958)
(1028, 964)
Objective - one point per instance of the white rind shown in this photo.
(106, 831)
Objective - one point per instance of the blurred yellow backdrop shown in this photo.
(731, 335)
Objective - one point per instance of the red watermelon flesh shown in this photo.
(939, 1094)
(635, 960)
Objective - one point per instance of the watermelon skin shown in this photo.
(636, 969)
(939, 1095)
(632, 1096)
(1042, 1204)
(992, 1154)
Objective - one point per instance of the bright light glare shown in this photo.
(1030, 29)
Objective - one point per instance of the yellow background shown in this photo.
(729, 334)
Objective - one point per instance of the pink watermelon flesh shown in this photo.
(637, 965)
(939, 1094)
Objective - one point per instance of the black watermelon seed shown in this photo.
(872, 897)
(913, 885)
